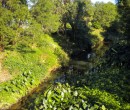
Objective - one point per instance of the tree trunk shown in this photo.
(74, 31)
(65, 29)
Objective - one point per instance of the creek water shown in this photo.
(75, 67)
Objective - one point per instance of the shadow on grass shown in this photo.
(23, 49)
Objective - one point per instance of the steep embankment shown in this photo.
(28, 67)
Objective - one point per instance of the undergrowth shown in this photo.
(66, 97)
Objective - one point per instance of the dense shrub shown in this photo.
(65, 97)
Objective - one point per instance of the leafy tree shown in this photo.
(6, 33)
(77, 13)
(44, 11)
(14, 18)
(104, 15)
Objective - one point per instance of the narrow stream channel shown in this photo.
(76, 67)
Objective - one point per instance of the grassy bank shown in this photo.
(28, 66)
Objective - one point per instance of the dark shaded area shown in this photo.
(76, 49)
(74, 41)
(119, 55)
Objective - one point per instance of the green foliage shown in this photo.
(97, 25)
(74, 98)
(14, 16)
(68, 26)
(95, 36)
(45, 13)
(104, 14)
(77, 14)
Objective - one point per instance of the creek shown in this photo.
(65, 75)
